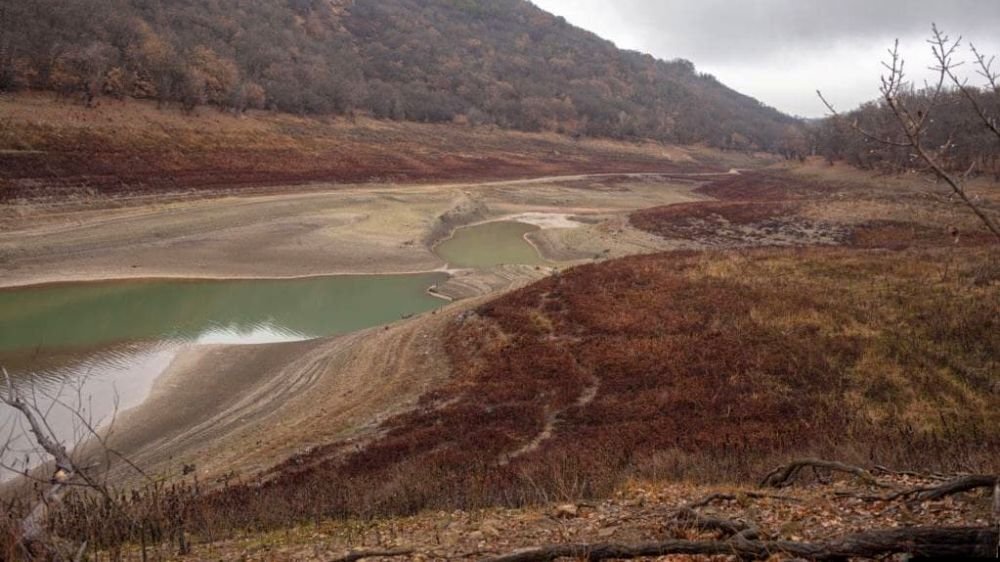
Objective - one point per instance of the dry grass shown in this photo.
(51, 150)
(803, 206)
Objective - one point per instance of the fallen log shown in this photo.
(936, 542)
(958, 486)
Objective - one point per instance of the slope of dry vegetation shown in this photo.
(51, 151)
(709, 367)
(815, 206)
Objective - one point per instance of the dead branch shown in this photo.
(68, 472)
(362, 554)
(958, 486)
(913, 124)
(710, 499)
(934, 493)
(691, 519)
(33, 526)
(783, 476)
(941, 44)
(959, 542)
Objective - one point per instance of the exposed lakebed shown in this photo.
(104, 343)
(99, 346)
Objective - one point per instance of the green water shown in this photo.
(77, 315)
(93, 349)
(489, 245)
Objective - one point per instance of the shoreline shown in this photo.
(197, 278)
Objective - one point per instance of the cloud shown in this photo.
(782, 50)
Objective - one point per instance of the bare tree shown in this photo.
(68, 470)
(942, 46)
(913, 121)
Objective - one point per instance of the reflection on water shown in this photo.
(85, 314)
(95, 346)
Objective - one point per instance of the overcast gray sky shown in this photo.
(782, 51)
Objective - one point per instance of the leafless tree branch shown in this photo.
(913, 123)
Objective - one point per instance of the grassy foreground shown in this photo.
(707, 367)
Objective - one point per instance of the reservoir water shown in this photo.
(490, 244)
(99, 346)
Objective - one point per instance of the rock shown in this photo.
(607, 532)
(566, 511)
(490, 528)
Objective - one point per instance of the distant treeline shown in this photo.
(954, 130)
(484, 62)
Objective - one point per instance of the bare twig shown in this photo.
(942, 46)
(913, 124)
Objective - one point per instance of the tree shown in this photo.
(213, 78)
(913, 117)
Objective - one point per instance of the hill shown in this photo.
(501, 62)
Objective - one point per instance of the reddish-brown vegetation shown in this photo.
(779, 208)
(734, 222)
(681, 366)
(55, 152)
(775, 186)
(897, 235)
(753, 209)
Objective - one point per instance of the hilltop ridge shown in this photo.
(501, 62)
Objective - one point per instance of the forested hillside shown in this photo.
(956, 131)
(502, 62)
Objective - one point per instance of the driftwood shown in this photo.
(783, 476)
(937, 542)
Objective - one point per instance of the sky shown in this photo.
(782, 51)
